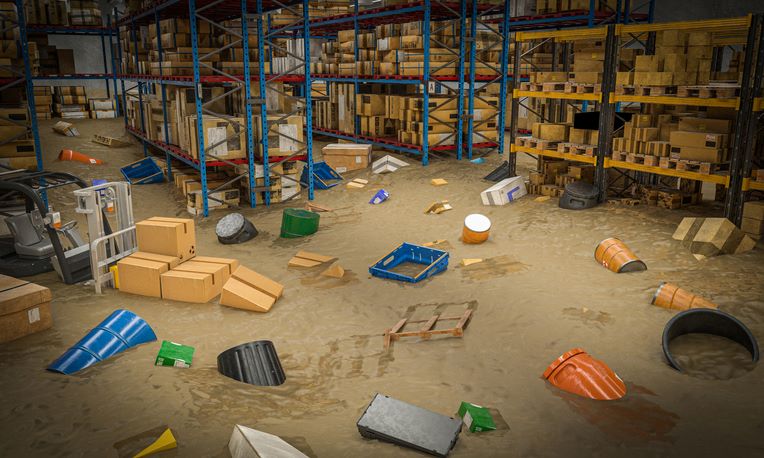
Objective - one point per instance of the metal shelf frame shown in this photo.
(214, 12)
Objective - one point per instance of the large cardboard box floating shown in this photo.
(249, 290)
(387, 164)
(168, 236)
(707, 237)
(230, 264)
(171, 261)
(219, 272)
(141, 276)
(24, 308)
(251, 443)
(504, 192)
(344, 157)
(184, 286)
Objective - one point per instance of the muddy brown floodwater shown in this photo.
(538, 294)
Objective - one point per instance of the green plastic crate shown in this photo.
(476, 418)
(174, 354)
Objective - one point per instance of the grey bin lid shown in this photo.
(582, 190)
(230, 225)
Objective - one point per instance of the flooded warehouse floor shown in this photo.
(538, 294)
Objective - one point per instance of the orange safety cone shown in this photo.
(71, 155)
(578, 373)
(672, 297)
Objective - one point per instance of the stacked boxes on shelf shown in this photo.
(43, 102)
(753, 219)
(51, 12)
(16, 148)
(70, 102)
(557, 6)
(552, 175)
(175, 39)
(85, 12)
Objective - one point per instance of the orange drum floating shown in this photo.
(477, 227)
(616, 256)
(672, 297)
(578, 373)
(71, 155)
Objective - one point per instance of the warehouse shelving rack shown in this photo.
(426, 11)
(26, 77)
(213, 12)
(748, 106)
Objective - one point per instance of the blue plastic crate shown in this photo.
(436, 261)
(323, 175)
(145, 171)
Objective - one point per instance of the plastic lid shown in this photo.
(229, 225)
(477, 222)
(582, 190)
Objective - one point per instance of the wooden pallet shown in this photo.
(582, 88)
(646, 90)
(704, 168)
(575, 148)
(709, 91)
(535, 143)
(619, 155)
(642, 159)
(427, 331)
(543, 87)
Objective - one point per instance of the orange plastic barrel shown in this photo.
(476, 230)
(71, 155)
(672, 297)
(577, 372)
(616, 256)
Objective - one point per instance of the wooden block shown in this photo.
(438, 182)
(334, 271)
(469, 261)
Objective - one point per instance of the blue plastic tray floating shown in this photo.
(390, 420)
(118, 332)
(324, 177)
(145, 171)
(434, 262)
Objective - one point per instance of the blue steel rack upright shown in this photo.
(213, 12)
(426, 11)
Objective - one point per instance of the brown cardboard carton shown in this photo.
(249, 290)
(752, 226)
(168, 236)
(24, 308)
(231, 264)
(754, 210)
(219, 272)
(188, 286)
(344, 157)
(722, 126)
(698, 139)
(141, 276)
(171, 261)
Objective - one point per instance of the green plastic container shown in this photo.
(174, 354)
(296, 223)
(476, 418)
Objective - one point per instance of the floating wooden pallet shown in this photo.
(574, 148)
(582, 88)
(709, 92)
(619, 155)
(535, 143)
(427, 331)
(704, 168)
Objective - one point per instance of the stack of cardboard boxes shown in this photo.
(71, 102)
(552, 175)
(85, 12)
(51, 12)
(17, 149)
(556, 6)
(24, 308)
(167, 267)
(43, 102)
(753, 219)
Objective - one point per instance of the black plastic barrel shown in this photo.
(579, 195)
(235, 228)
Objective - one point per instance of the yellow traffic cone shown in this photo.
(165, 442)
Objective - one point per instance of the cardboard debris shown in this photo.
(469, 261)
(438, 182)
(541, 199)
(358, 183)
(706, 237)
(504, 192)
(66, 128)
(387, 164)
(315, 208)
(308, 259)
(248, 290)
(434, 243)
(111, 142)
(438, 207)
(334, 271)
(24, 308)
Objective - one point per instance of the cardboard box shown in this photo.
(171, 261)
(174, 354)
(230, 264)
(550, 131)
(169, 236)
(24, 308)
(754, 210)
(219, 272)
(691, 124)
(696, 153)
(504, 192)
(476, 418)
(249, 290)
(141, 276)
(344, 157)
(698, 139)
(184, 286)
(752, 226)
